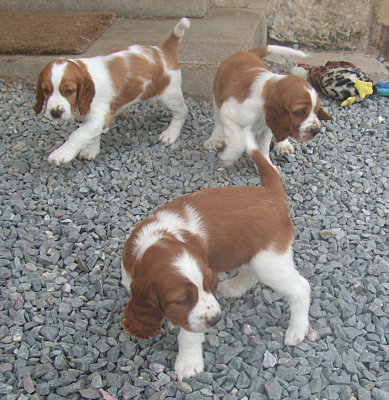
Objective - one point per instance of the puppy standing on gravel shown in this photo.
(171, 260)
(249, 98)
(101, 86)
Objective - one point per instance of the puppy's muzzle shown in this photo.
(214, 320)
(56, 113)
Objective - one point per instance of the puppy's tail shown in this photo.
(268, 173)
(170, 45)
(263, 51)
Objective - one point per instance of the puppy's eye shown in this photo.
(69, 92)
(46, 91)
(185, 302)
(299, 113)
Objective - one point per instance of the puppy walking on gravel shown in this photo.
(171, 260)
(249, 98)
(99, 87)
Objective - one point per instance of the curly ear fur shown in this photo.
(86, 93)
(142, 314)
(40, 99)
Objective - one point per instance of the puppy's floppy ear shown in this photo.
(279, 120)
(142, 314)
(40, 99)
(86, 93)
(214, 282)
(323, 116)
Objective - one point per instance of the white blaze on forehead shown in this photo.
(56, 101)
(57, 73)
(171, 222)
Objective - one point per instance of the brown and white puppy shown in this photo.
(99, 87)
(249, 98)
(171, 260)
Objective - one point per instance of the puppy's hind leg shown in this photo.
(240, 284)
(217, 138)
(278, 272)
(235, 143)
(174, 100)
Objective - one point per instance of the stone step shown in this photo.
(126, 9)
(209, 40)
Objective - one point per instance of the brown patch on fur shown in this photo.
(86, 87)
(170, 49)
(130, 81)
(235, 76)
(118, 71)
(43, 83)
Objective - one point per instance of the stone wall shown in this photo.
(360, 25)
(330, 24)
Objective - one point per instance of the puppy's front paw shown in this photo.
(212, 144)
(89, 153)
(226, 161)
(169, 136)
(62, 155)
(296, 333)
(188, 366)
(283, 148)
(229, 288)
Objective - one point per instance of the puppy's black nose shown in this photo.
(315, 131)
(56, 113)
(214, 320)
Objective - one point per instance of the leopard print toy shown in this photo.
(340, 80)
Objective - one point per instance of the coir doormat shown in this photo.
(50, 32)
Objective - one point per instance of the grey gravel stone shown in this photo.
(269, 360)
(63, 227)
(273, 389)
(379, 394)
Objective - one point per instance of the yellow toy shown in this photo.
(364, 89)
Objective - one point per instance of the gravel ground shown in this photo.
(62, 230)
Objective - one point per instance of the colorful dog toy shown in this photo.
(341, 80)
